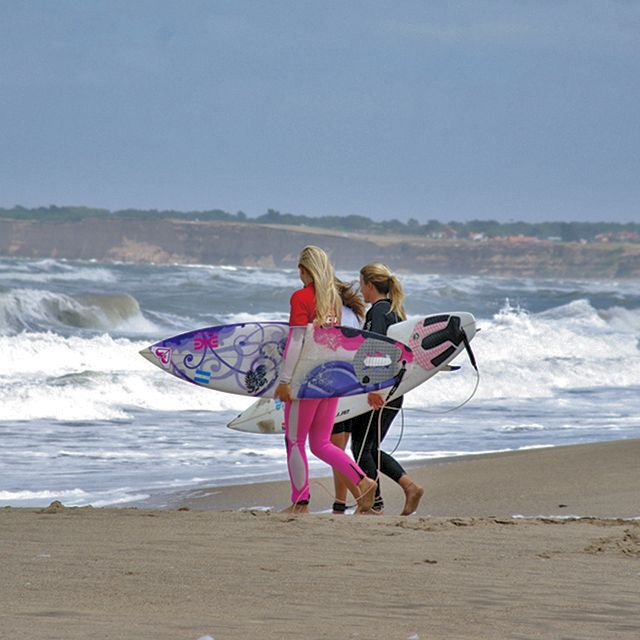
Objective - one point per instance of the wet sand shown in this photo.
(543, 543)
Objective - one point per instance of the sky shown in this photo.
(450, 110)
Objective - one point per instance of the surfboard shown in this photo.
(435, 340)
(246, 359)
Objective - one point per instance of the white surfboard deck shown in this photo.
(246, 359)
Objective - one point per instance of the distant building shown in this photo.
(627, 236)
(445, 234)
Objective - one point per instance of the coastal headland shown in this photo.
(244, 244)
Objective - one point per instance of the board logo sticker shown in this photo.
(203, 340)
(163, 354)
(202, 377)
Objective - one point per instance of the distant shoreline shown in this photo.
(270, 246)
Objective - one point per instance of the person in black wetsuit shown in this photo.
(383, 291)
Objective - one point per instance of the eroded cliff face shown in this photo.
(542, 260)
(224, 243)
(138, 240)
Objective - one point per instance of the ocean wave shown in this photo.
(42, 310)
(238, 318)
(577, 315)
(70, 497)
(48, 376)
(519, 354)
(13, 496)
(50, 270)
(579, 311)
(81, 408)
(521, 427)
(622, 320)
(525, 355)
(113, 500)
(206, 275)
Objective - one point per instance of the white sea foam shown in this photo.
(523, 355)
(69, 496)
(238, 318)
(100, 378)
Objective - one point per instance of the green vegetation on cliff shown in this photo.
(561, 231)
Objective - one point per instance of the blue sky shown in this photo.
(451, 110)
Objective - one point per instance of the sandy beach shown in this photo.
(543, 543)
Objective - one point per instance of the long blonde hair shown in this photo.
(380, 276)
(328, 302)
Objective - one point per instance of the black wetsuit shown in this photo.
(379, 318)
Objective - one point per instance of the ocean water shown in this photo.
(85, 420)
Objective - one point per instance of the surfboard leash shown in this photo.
(438, 413)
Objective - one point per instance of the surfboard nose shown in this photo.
(148, 354)
(158, 355)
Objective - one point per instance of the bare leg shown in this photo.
(412, 492)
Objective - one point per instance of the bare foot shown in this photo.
(413, 493)
(367, 497)
(371, 512)
(296, 507)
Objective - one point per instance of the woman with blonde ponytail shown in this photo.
(383, 291)
(318, 302)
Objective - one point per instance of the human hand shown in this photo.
(283, 392)
(376, 400)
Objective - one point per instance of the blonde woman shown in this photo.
(383, 291)
(318, 302)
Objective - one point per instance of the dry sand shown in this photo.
(462, 567)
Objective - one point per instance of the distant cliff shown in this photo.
(230, 243)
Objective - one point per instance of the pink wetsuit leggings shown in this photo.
(315, 419)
